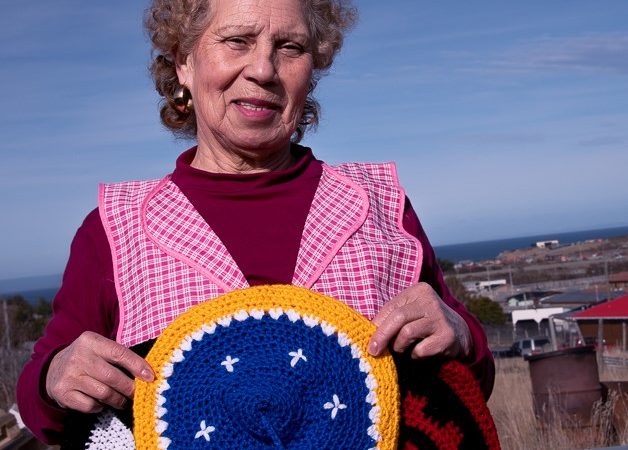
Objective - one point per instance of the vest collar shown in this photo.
(172, 223)
(338, 209)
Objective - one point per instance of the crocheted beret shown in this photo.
(269, 367)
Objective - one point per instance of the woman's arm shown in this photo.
(86, 301)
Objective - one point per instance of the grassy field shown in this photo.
(511, 406)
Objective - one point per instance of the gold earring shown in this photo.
(183, 100)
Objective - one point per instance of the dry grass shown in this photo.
(11, 363)
(518, 429)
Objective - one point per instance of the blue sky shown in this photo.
(505, 118)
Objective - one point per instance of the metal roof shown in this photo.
(614, 309)
(577, 297)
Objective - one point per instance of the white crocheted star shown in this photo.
(229, 362)
(296, 356)
(205, 430)
(335, 406)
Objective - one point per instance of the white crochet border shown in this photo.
(109, 433)
(178, 355)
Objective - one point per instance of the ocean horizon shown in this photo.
(483, 250)
(36, 287)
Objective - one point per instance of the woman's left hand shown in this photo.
(418, 318)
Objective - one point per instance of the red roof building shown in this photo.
(614, 309)
(610, 319)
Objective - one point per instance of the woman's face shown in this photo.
(249, 75)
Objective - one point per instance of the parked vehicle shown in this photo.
(530, 346)
(523, 347)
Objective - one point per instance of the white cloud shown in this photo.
(599, 53)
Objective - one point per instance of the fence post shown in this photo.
(623, 342)
(7, 325)
(552, 330)
(600, 342)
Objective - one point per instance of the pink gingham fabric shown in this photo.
(373, 258)
(167, 258)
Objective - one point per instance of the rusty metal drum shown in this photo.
(565, 382)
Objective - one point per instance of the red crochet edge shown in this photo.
(461, 381)
(447, 437)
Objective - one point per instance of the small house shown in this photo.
(608, 320)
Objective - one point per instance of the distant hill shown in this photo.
(33, 296)
(31, 288)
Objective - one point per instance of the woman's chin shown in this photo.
(259, 143)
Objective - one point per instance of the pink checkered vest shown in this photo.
(167, 259)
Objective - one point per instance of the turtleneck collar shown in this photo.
(187, 177)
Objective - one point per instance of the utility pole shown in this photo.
(608, 281)
(7, 325)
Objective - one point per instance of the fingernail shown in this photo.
(374, 348)
(147, 375)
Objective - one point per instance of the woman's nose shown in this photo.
(261, 66)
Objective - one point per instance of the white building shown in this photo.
(547, 244)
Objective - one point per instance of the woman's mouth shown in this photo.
(256, 109)
(251, 106)
(256, 103)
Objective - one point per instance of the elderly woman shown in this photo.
(245, 206)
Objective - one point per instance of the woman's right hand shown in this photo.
(87, 374)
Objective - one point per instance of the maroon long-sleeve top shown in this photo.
(259, 217)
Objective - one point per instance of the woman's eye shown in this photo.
(236, 41)
(292, 48)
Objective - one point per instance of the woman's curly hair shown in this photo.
(175, 26)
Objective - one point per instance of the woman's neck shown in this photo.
(218, 160)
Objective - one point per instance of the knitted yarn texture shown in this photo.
(268, 367)
(443, 407)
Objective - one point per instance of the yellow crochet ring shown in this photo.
(316, 311)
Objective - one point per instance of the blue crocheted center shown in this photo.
(267, 384)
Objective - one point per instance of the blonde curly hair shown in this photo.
(176, 26)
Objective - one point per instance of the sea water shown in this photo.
(476, 251)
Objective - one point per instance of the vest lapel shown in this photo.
(172, 223)
(338, 209)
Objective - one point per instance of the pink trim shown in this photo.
(115, 259)
(393, 172)
(402, 203)
(362, 193)
(206, 273)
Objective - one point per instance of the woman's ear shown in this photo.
(185, 69)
